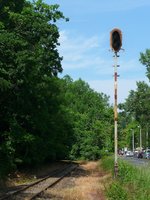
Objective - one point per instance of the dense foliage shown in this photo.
(91, 117)
(43, 117)
(135, 111)
(30, 101)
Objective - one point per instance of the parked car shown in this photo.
(136, 153)
(147, 154)
(140, 154)
(129, 154)
(120, 152)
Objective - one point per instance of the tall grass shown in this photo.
(107, 163)
(132, 183)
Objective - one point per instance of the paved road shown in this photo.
(137, 161)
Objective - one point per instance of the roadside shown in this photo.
(131, 183)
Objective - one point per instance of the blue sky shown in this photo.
(85, 42)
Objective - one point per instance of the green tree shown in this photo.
(137, 107)
(91, 117)
(145, 60)
(29, 87)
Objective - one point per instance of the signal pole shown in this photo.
(115, 44)
(115, 115)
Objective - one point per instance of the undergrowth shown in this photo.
(132, 183)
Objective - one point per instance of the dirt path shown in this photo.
(87, 182)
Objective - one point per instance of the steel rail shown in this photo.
(26, 192)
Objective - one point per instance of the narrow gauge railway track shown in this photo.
(33, 190)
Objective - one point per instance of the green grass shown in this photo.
(132, 183)
(107, 163)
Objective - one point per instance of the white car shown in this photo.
(129, 154)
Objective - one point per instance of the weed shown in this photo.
(132, 182)
(116, 192)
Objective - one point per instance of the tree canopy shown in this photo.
(42, 116)
(136, 109)
(91, 117)
(30, 101)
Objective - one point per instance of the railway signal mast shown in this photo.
(115, 44)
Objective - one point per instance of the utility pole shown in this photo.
(115, 44)
(147, 138)
(140, 137)
(133, 140)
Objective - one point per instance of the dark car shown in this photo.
(140, 154)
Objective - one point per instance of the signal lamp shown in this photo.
(116, 40)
